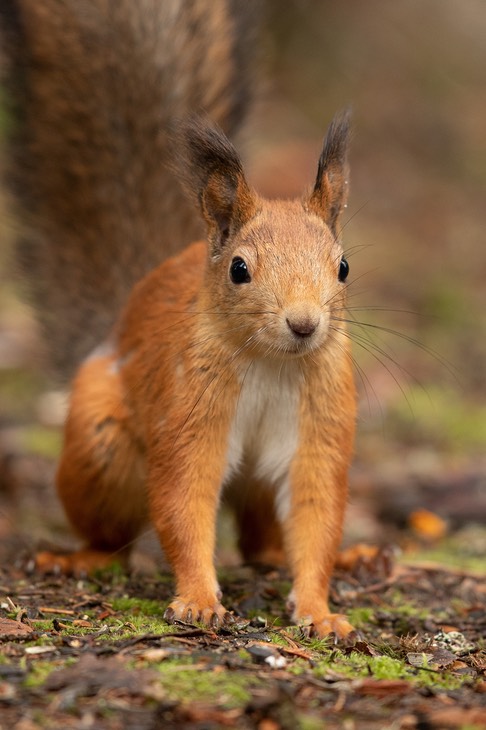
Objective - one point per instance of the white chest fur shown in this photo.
(265, 430)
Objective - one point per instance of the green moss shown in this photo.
(44, 625)
(42, 640)
(385, 667)
(138, 607)
(298, 667)
(440, 680)
(277, 638)
(309, 722)
(226, 689)
(319, 645)
(404, 607)
(353, 666)
(143, 625)
(114, 574)
(356, 665)
(361, 616)
(38, 671)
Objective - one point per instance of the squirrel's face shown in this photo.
(279, 282)
(275, 278)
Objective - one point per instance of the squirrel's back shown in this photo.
(96, 87)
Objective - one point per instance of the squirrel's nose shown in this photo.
(303, 326)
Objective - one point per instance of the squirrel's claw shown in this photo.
(331, 624)
(214, 615)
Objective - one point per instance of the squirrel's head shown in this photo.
(276, 271)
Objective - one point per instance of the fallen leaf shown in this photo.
(456, 718)
(427, 525)
(382, 687)
(8, 692)
(419, 659)
(362, 647)
(105, 614)
(8, 627)
(207, 715)
(442, 657)
(268, 724)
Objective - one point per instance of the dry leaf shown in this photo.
(382, 687)
(8, 627)
(427, 525)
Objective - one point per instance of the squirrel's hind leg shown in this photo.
(100, 479)
(259, 532)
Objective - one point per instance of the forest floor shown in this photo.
(96, 653)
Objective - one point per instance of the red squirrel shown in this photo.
(228, 371)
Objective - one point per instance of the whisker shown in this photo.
(365, 381)
(356, 212)
(243, 383)
(403, 336)
(232, 359)
(364, 308)
(352, 250)
(372, 349)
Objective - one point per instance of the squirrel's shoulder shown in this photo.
(168, 290)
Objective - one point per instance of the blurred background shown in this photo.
(414, 74)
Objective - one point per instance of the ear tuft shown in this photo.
(330, 191)
(212, 172)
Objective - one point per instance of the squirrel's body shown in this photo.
(227, 375)
(195, 399)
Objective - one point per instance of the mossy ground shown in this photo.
(104, 650)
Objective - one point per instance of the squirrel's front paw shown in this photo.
(330, 623)
(182, 609)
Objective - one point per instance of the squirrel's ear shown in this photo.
(330, 192)
(212, 171)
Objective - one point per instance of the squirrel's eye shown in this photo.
(343, 270)
(239, 271)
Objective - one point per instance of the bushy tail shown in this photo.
(95, 87)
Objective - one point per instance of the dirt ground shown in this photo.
(70, 658)
(96, 653)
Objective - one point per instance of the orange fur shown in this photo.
(209, 384)
(100, 451)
